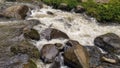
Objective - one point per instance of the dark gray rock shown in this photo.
(110, 58)
(109, 42)
(95, 55)
(51, 33)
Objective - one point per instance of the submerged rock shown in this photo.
(75, 55)
(51, 33)
(16, 11)
(24, 47)
(30, 33)
(48, 53)
(109, 42)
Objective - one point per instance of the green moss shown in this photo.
(104, 12)
(32, 34)
(24, 47)
(30, 64)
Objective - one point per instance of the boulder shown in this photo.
(109, 42)
(2, 1)
(50, 13)
(48, 53)
(30, 33)
(30, 64)
(63, 6)
(51, 33)
(24, 47)
(95, 56)
(110, 58)
(108, 65)
(75, 55)
(17, 61)
(16, 11)
(79, 9)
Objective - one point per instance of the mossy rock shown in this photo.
(30, 64)
(30, 33)
(25, 47)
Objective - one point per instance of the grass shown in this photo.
(104, 12)
(109, 12)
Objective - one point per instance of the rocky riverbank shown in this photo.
(34, 36)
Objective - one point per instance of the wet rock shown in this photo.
(58, 62)
(48, 53)
(63, 6)
(30, 33)
(51, 33)
(16, 11)
(95, 56)
(24, 47)
(20, 61)
(110, 58)
(50, 13)
(2, 1)
(59, 46)
(109, 42)
(79, 9)
(30, 64)
(33, 22)
(75, 55)
(108, 65)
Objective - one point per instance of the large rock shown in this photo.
(2, 1)
(31, 33)
(95, 56)
(110, 58)
(17, 61)
(79, 9)
(109, 42)
(48, 53)
(16, 11)
(63, 6)
(24, 47)
(30, 64)
(75, 55)
(51, 33)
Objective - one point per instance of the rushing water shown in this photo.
(77, 26)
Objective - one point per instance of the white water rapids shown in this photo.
(77, 26)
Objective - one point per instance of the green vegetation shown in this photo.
(55, 3)
(102, 12)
